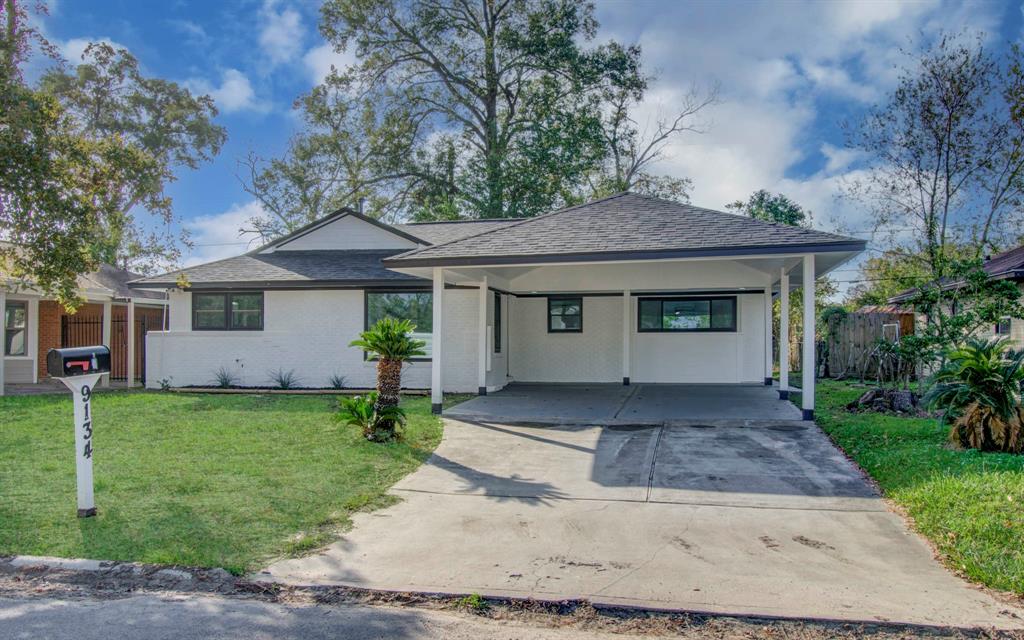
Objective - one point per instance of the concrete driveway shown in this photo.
(760, 520)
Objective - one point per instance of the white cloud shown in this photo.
(235, 92)
(218, 236)
(782, 69)
(282, 32)
(72, 50)
(319, 60)
(775, 64)
(193, 32)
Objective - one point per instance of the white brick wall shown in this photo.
(704, 357)
(594, 355)
(308, 331)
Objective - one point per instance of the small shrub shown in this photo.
(473, 602)
(979, 390)
(337, 381)
(165, 384)
(358, 411)
(225, 378)
(376, 423)
(284, 379)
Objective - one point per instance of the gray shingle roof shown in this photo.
(440, 232)
(288, 268)
(625, 225)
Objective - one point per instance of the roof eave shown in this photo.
(613, 256)
(286, 284)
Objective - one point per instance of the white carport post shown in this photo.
(3, 337)
(108, 309)
(437, 341)
(809, 366)
(130, 333)
(768, 333)
(784, 336)
(626, 330)
(481, 370)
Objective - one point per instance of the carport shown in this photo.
(639, 404)
(626, 289)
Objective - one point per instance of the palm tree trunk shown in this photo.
(389, 381)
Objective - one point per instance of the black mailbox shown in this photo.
(78, 361)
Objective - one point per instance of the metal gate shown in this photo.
(82, 331)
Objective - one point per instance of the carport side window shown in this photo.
(565, 315)
(678, 315)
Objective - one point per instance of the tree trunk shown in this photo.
(493, 153)
(389, 383)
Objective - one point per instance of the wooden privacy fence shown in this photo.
(82, 331)
(853, 339)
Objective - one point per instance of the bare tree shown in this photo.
(632, 149)
(946, 153)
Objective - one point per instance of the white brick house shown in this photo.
(626, 288)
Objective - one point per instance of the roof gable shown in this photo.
(441, 232)
(344, 230)
(622, 226)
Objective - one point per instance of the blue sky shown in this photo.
(789, 73)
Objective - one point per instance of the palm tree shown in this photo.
(980, 388)
(391, 341)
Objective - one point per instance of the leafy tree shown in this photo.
(159, 126)
(772, 207)
(892, 272)
(52, 181)
(391, 341)
(456, 109)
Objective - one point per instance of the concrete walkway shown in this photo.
(604, 404)
(760, 520)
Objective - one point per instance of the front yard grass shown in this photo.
(969, 504)
(205, 480)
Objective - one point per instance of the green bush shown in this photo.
(377, 423)
(979, 390)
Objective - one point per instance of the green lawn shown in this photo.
(209, 480)
(969, 504)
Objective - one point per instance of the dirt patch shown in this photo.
(813, 544)
(120, 580)
(770, 542)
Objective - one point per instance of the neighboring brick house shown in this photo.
(33, 324)
(624, 288)
(1008, 265)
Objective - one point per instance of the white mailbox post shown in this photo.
(80, 368)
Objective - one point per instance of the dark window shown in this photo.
(15, 323)
(565, 315)
(687, 314)
(497, 322)
(1003, 327)
(414, 306)
(227, 311)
